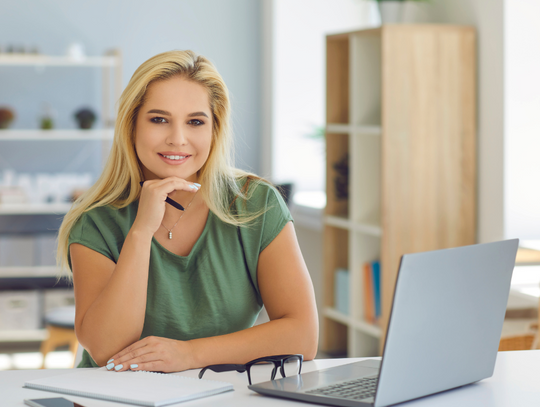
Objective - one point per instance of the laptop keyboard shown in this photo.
(357, 389)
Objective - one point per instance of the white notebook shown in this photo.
(139, 388)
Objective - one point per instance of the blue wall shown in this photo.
(225, 31)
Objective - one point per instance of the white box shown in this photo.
(17, 251)
(56, 298)
(20, 310)
(45, 250)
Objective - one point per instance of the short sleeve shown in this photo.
(98, 230)
(259, 233)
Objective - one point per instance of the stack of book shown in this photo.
(372, 291)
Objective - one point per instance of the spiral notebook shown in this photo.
(139, 388)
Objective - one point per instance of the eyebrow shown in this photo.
(165, 113)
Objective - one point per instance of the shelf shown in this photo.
(362, 326)
(334, 128)
(27, 335)
(28, 272)
(44, 60)
(55, 135)
(343, 223)
(34, 209)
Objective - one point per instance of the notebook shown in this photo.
(139, 388)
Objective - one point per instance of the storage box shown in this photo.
(56, 298)
(45, 250)
(20, 310)
(17, 251)
(341, 291)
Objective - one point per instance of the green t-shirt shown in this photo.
(213, 290)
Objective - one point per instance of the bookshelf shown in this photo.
(39, 217)
(401, 111)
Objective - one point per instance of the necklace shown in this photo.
(183, 213)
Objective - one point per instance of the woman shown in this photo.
(161, 289)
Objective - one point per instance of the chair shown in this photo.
(527, 340)
(60, 325)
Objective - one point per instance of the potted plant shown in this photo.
(392, 10)
(86, 118)
(6, 117)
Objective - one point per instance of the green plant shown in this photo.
(6, 117)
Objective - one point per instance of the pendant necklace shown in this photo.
(183, 213)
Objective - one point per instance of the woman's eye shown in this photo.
(196, 122)
(158, 120)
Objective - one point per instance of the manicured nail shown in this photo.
(134, 366)
(194, 187)
(110, 366)
(109, 361)
(198, 185)
(117, 368)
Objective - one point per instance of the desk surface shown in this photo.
(514, 383)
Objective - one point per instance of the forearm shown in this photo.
(287, 335)
(115, 319)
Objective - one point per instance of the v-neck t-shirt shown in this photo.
(211, 291)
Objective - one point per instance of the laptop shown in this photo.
(443, 332)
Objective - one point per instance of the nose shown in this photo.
(177, 136)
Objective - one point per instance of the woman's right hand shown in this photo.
(152, 202)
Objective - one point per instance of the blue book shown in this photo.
(376, 269)
(341, 293)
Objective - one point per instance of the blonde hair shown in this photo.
(118, 184)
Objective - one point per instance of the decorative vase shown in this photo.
(391, 11)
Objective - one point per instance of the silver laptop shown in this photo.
(443, 333)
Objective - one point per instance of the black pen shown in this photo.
(170, 201)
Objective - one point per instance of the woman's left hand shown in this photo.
(153, 354)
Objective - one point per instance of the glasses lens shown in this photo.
(291, 366)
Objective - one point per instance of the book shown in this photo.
(341, 295)
(139, 388)
(376, 269)
(369, 302)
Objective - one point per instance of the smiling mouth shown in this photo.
(175, 157)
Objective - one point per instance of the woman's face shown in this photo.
(173, 131)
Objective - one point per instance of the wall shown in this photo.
(227, 32)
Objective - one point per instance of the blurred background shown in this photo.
(64, 63)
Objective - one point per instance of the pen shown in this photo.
(169, 201)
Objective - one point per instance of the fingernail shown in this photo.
(198, 185)
(194, 187)
(117, 368)
(109, 361)
(110, 366)
(134, 366)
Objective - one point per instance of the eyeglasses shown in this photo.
(288, 365)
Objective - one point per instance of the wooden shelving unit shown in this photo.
(401, 105)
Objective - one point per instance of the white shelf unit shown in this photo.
(56, 135)
(27, 335)
(28, 272)
(411, 181)
(111, 61)
(34, 209)
(111, 65)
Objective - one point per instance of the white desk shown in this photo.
(516, 382)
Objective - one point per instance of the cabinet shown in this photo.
(401, 161)
(29, 222)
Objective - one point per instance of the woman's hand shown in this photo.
(152, 201)
(154, 354)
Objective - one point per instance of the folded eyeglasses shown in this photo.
(288, 365)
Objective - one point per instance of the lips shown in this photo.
(174, 158)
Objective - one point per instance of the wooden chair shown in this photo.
(60, 325)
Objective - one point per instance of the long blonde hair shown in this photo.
(118, 184)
